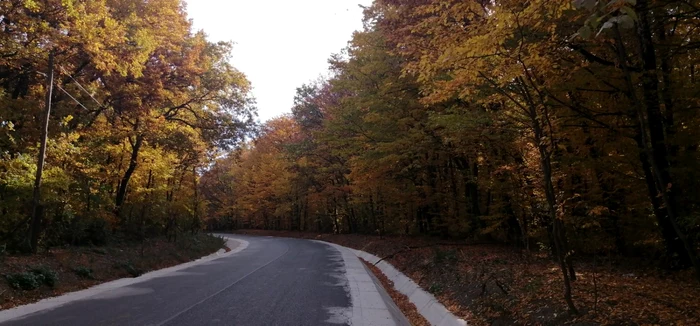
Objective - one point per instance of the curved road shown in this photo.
(274, 281)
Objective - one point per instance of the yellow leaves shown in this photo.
(452, 43)
(66, 120)
(141, 60)
(8, 125)
(17, 171)
(68, 5)
(32, 5)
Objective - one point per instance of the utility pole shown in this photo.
(37, 209)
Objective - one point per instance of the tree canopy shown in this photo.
(142, 104)
(565, 125)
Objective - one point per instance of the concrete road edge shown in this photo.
(428, 306)
(371, 305)
(393, 308)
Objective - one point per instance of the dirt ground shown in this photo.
(77, 268)
(497, 285)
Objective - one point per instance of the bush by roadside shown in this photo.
(26, 279)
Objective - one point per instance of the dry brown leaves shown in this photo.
(407, 308)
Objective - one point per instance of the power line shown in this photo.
(63, 70)
(80, 86)
(71, 96)
(55, 83)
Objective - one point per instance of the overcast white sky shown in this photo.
(279, 44)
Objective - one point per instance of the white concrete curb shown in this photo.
(369, 307)
(55, 302)
(426, 303)
(428, 306)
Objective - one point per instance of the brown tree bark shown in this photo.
(651, 122)
(124, 183)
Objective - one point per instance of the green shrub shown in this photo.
(33, 278)
(83, 272)
(24, 281)
(47, 275)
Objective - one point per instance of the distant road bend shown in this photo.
(274, 281)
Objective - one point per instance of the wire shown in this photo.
(63, 70)
(80, 86)
(73, 98)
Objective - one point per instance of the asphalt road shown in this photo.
(274, 281)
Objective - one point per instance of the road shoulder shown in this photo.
(236, 245)
(428, 306)
(371, 305)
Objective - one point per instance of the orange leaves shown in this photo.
(258, 181)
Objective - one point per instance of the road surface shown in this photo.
(274, 281)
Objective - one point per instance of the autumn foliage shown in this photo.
(564, 127)
(557, 127)
(141, 104)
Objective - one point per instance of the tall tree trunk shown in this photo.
(350, 214)
(144, 209)
(124, 184)
(305, 222)
(473, 187)
(558, 230)
(470, 173)
(673, 244)
(651, 122)
(456, 211)
(196, 223)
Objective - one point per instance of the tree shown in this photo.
(142, 106)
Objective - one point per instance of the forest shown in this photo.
(552, 126)
(140, 104)
(565, 127)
